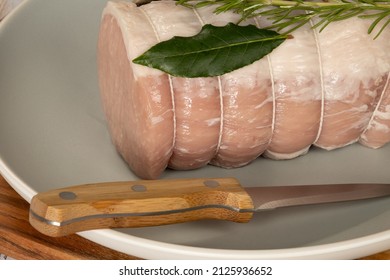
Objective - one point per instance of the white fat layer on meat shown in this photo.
(382, 112)
(156, 120)
(348, 51)
(351, 59)
(167, 20)
(376, 124)
(331, 147)
(208, 16)
(341, 63)
(380, 127)
(137, 37)
(295, 67)
(172, 20)
(384, 115)
(264, 102)
(213, 121)
(280, 156)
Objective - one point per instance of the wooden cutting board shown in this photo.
(19, 240)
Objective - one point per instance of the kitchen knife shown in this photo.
(159, 202)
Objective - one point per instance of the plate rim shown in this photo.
(149, 249)
(135, 246)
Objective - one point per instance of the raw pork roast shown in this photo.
(327, 89)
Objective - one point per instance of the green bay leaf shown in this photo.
(213, 51)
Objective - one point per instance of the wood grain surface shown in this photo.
(19, 240)
(91, 203)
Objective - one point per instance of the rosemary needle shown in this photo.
(283, 16)
(205, 55)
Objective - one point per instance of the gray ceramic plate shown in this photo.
(53, 134)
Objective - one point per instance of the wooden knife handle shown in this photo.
(138, 204)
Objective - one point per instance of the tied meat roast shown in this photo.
(328, 89)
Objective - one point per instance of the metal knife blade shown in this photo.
(266, 198)
(158, 202)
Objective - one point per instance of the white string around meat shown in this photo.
(169, 76)
(374, 113)
(201, 21)
(321, 81)
(271, 74)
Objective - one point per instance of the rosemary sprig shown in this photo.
(288, 15)
(219, 50)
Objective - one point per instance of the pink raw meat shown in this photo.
(329, 89)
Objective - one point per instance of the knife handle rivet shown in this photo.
(138, 188)
(211, 183)
(67, 195)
